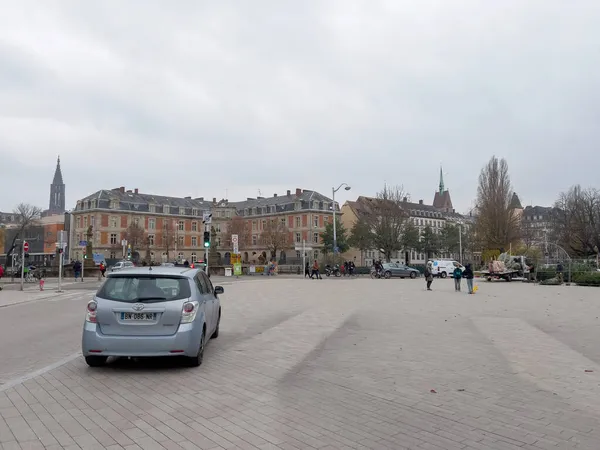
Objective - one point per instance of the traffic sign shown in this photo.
(83, 243)
(235, 243)
(25, 247)
(207, 218)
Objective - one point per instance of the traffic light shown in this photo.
(207, 239)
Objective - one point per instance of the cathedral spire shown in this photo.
(57, 192)
(441, 180)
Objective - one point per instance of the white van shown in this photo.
(445, 267)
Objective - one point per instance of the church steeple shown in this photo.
(57, 192)
(441, 180)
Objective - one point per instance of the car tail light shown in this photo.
(189, 311)
(92, 307)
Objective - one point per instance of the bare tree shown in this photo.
(497, 222)
(385, 217)
(275, 236)
(576, 221)
(26, 217)
(238, 225)
(136, 237)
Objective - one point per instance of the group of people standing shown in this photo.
(458, 275)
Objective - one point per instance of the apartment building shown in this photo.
(172, 227)
(536, 221)
(304, 213)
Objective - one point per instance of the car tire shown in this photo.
(196, 361)
(387, 275)
(413, 275)
(443, 275)
(216, 333)
(95, 360)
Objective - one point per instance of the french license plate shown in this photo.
(138, 316)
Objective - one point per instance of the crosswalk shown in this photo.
(71, 295)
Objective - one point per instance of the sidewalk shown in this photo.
(14, 297)
(49, 283)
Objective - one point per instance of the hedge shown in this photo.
(546, 274)
(587, 279)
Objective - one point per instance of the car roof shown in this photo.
(157, 270)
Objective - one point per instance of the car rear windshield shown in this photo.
(144, 288)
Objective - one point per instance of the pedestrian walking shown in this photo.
(76, 269)
(102, 269)
(315, 271)
(429, 274)
(559, 272)
(307, 270)
(468, 274)
(457, 274)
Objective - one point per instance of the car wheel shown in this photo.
(387, 275)
(96, 360)
(216, 333)
(196, 361)
(413, 275)
(443, 275)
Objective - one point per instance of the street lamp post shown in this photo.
(333, 191)
(460, 242)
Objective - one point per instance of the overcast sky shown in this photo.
(214, 97)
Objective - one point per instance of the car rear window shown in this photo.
(144, 288)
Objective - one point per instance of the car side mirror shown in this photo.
(219, 290)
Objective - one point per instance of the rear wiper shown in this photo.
(150, 299)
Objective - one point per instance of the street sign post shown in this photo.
(83, 243)
(207, 218)
(25, 249)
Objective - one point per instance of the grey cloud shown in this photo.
(274, 96)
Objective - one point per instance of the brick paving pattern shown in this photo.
(342, 364)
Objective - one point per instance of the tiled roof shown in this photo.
(362, 206)
(515, 202)
(305, 198)
(545, 211)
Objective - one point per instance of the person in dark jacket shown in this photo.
(307, 270)
(468, 275)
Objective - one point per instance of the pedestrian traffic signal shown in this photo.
(207, 239)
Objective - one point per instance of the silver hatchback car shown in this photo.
(152, 311)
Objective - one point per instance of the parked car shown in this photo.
(147, 312)
(399, 270)
(445, 267)
(122, 265)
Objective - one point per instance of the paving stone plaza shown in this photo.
(334, 364)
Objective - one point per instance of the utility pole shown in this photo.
(333, 191)
(304, 256)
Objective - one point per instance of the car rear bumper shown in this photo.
(185, 342)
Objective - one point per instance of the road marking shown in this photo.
(22, 379)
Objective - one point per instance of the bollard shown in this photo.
(41, 284)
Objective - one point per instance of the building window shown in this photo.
(254, 211)
(113, 238)
(166, 209)
(298, 254)
(136, 221)
(254, 225)
(194, 241)
(151, 239)
(218, 242)
(114, 204)
(316, 221)
(298, 237)
(151, 256)
(78, 222)
(180, 256)
(316, 238)
(152, 208)
(195, 211)
(182, 211)
(180, 240)
(283, 221)
(272, 208)
(113, 255)
(194, 257)
(254, 239)
(298, 222)
(181, 225)
(93, 204)
(85, 221)
(152, 224)
(316, 254)
(325, 219)
(217, 227)
(194, 226)
(113, 222)
(264, 224)
(227, 214)
(297, 206)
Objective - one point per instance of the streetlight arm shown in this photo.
(339, 187)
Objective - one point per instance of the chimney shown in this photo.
(405, 199)
(122, 189)
(420, 202)
(214, 199)
(187, 198)
(289, 193)
(136, 191)
(129, 191)
(454, 211)
(275, 195)
(298, 191)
